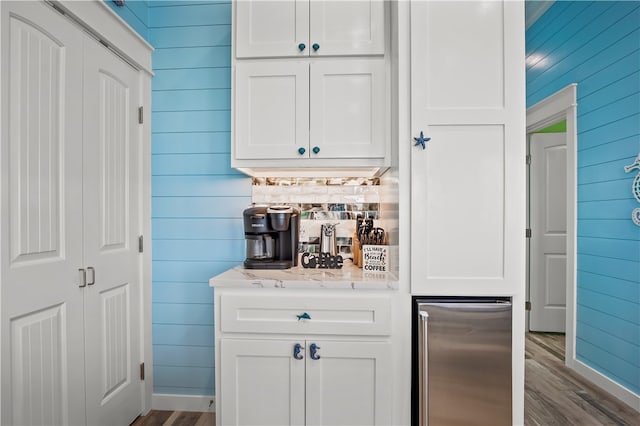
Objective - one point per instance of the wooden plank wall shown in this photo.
(134, 12)
(197, 198)
(597, 45)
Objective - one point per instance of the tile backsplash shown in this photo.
(323, 200)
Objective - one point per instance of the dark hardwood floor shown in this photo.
(554, 395)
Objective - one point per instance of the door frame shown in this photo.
(557, 107)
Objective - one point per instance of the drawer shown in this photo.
(361, 315)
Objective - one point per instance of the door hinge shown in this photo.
(528, 159)
(527, 233)
(527, 306)
(141, 115)
(142, 371)
(140, 244)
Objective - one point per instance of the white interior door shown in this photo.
(112, 295)
(41, 186)
(548, 222)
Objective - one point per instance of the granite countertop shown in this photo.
(349, 277)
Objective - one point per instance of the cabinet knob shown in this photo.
(315, 46)
(316, 150)
(421, 140)
(303, 315)
(301, 151)
(297, 348)
(302, 46)
(314, 351)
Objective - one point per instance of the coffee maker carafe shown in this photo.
(271, 235)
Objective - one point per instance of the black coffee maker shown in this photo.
(271, 235)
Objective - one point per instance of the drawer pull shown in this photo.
(314, 351)
(303, 315)
(296, 351)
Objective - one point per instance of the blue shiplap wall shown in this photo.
(197, 198)
(597, 45)
(134, 12)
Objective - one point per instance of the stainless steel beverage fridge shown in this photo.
(462, 361)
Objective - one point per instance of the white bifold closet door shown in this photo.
(69, 211)
(110, 200)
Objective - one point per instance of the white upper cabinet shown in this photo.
(311, 87)
(346, 27)
(322, 110)
(293, 28)
(272, 109)
(468, 184)
(347, 109)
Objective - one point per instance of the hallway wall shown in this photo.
(597, 45)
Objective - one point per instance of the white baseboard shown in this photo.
(198, 403)
(623, 394)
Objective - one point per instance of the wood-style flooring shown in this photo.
(175, 418)
(554, 395)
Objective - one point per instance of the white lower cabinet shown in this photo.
(298, 378)
(293, 382)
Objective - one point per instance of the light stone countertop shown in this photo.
(349, 277)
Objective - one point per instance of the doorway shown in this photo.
(547, 243)
(555, 247)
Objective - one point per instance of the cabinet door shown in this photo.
(350, 383)
(272, 28)
(347, 27)
(41, 217)
(272, 110)
(261, 383)
(467, 185)
(110, 200)
(348, 109)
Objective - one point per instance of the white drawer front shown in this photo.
(368, 315)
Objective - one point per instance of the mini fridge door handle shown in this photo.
(423, 368)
